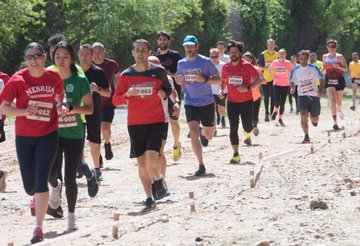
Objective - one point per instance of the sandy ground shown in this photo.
(276, 211)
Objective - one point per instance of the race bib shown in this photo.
(235, 81)
(281, 69)
(43, 112)
(357, 81)
(68, 120)
(307, 87)
(333, 81)
(145, 89)
(190, 78)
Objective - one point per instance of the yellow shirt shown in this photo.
(267, 59)
(354, 68)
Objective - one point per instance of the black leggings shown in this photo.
(280, 94)
(268, 94)
(36, 156)
(256, 109)
(245, 111)
(72, 150)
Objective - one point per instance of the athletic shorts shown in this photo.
(171, 109)
(166, 131)
(219, 101)
(93, 127)
(339, 84)
(356, 81)
(204, 114)
(107, 114)
(310, 104)
(146, 137)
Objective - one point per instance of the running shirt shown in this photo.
(281, 72)
(319, 65)
(146, 108)
(110, 68)
(332, 72)
(215, 88)
(41, 91)
(264, 60)
(354, 68)
(236, 75)
(224, 58)
(71, 125)
(256, 90)
(169, 60)
(4, 78)
(196, 94)
(305, 78)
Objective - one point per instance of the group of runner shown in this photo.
(50, 104)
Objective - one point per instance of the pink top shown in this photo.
(281, 72)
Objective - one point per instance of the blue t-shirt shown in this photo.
(196, 94)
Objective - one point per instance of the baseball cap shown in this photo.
(190, 40)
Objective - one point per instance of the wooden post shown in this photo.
(252, 179)
(11, 244)
(260, 155)
(312, 149)
(192, 202)
(115, 228)
(329, 140)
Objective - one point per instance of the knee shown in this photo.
(194, 132)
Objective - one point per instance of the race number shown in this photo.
(190, 78)
(305, 88)
(236, 81)
(357, 81)
(145, 90)
(43, 113)
(280, 69)
(333, 81)
(68, 120)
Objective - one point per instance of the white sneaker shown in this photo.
(341, 115)
(3, 181)
(54, 200)
(72, 223)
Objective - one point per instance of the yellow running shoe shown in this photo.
(177, 152)
(235, 160)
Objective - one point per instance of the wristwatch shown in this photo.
(248, 87)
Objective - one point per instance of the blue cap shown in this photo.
(190, 40)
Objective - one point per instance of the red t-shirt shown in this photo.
(236, 75)
(28, 90)
(147, 107)
(4, 78)
(110, 68)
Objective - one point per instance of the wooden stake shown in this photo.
(329, 140)
(260, 155)
(115, 228)
(252, 179)
(11, 244)
(312, 149)
(192, 202)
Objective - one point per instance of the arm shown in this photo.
(87, 108)
(7, 109)
(105, 92)
(292, 87)
(120, 92)
(343, 67)
(321, 86)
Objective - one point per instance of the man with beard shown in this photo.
(196, 73)
(169, 59)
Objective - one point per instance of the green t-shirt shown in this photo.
(71, 125)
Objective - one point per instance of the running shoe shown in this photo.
(247, 141)
(203, 140)
(223, 123)
(267, 119)
(101, 162)
(256, 131)
(353, 108)
(93, 186)
(306, 140)
(54, 199)
(37, 236)
(160, 188)
(56, 213)
(336, 127)
(149, 204)
(177, 153)
(72, 226)
(98, 176)
(340, 114)
(236, 159)
(108, 152)
(3, 181)
(32, 207)
(281, 123)
(273, 115)
(201, 171)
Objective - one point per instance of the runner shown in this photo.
(4, 78)
(35, 89)
(71, 134)
(221, 46)
(220, 99)
(240, 77)
(196, 73)
(169, 59)
(305, 76)
(145, 86)
(248, 56)
(265, 59)
(280, 69)
(354, 69)
(100, 88)
(334, 65)
(294, 62)
(112, 71)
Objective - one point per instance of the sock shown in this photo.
(334, 118)
(247, 134)
(276, 109)
(307, 135)
(71, 215)
(236, 153)
(280, 116)
(38, 226)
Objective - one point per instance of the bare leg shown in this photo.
(304, 121)
(195, 141)
(106, 131)
(41, 206)
(95, 153)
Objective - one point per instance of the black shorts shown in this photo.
(107, 114)
(356, 81)
(171, 109)
(146, 137)
(166, 131)
(219, 101)
(310, 104)
(339, 84)
(204, 114)
(93, 127)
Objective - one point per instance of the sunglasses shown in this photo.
(332, 46)
(214, 57)
(35, 56)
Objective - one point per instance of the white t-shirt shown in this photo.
(305, 78)
(215, 88)
(224, 58)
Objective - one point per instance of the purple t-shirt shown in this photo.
(196, 94)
